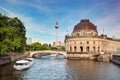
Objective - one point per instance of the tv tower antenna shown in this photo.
(56, 27)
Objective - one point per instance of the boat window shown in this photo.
(21, 64)
(28, 60)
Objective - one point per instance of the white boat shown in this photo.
(23, 64)
(30, 59)
(54, 55)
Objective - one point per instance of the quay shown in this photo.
(12, 58)
(4, 60)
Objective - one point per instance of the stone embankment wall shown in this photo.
(8, 59)
(104, 57)
(4, 60)
(82, 56)
(99, 57)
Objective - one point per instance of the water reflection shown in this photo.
(62, 69)
(91, 70)
(53, 56)
(7, 73)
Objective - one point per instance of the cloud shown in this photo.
(35, 4)
(10, 14)
(12, 1)
(101, 16)
(29, 23)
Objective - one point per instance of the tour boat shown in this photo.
(116, 59)
(29, 59)
(23, 64)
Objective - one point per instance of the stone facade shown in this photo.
(85, 40)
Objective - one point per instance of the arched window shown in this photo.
(75, 49)
(94, 49)
(87, 42)
(70, 48)
(81, 48)
(98, 49)
(74, 42)
(80, 42)
(87, 48)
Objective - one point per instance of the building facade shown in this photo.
(59, 43)
(85, 39)
(29, 41)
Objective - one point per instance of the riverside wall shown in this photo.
(4, 60)
(89, 56)
(12, 58)
(81, 56)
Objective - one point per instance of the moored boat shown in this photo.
(116, 59)
(30, 59)
(23, 64)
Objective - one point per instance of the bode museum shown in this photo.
(85, 41)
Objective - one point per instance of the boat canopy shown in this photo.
(22, 61)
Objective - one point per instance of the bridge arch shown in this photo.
(32, 53)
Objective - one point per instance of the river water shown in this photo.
(61, 69)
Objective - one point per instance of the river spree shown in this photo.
(62, 69)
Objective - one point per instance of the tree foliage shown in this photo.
(12, 35)
(38, 46)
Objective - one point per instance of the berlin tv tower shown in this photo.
(56, 27)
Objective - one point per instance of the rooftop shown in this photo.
(85, 24)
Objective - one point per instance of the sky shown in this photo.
(39, 16)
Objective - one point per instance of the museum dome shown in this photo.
(85, 25)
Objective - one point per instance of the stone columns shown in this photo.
(72, 48)
(91, 49)
(96, 49)
(84, 47)
(100, 46)
(78, 48)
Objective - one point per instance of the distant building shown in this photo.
(36, 40)
(29, 41)
(59, 43)
(85, 39)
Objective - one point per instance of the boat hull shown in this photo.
(23, 64)
(116, 59)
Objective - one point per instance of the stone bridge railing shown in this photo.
(46, 52)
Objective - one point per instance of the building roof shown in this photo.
(85, 25)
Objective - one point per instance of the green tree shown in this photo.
(12, 35)
(45, 47)
(36, 46)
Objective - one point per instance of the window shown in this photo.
(98, 49)
(87, 42)
(81, 48)
(80, 42)
(70, 48)
(87, 49)
(75, 49)
(94, 49)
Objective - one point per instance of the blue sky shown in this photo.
(39, 16)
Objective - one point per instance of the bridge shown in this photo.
(45, 52)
